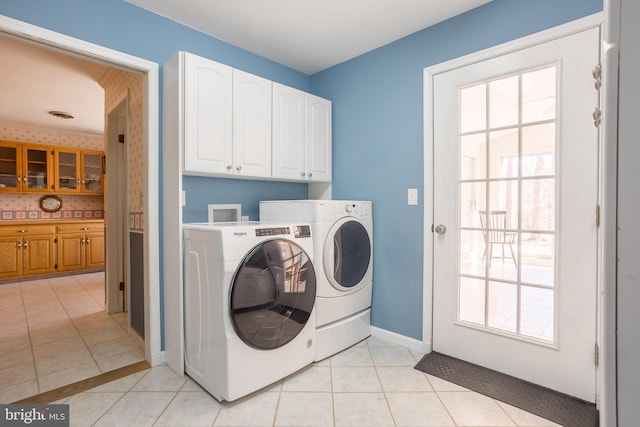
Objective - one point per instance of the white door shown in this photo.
(208, 132)
(515, 185)
(318, 139)
(288, 132)
(251, 125)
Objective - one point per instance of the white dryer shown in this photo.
(249, 296)
(343, 247)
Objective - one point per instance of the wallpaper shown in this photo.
(115, 84)
(20, 207)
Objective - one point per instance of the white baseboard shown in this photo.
(157, 359)
(410, 343)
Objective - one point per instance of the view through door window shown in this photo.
(507, 205)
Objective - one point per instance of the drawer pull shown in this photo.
(85, 228)
(22, 231)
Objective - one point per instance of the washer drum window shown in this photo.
(272, 294)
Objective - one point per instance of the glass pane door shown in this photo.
(37, 168)
(9, 167)
(92, 172)
(67, 168)
(507, 188)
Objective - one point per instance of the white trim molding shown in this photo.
(73, 46)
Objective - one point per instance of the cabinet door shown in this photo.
(251, 125)
(318, 138)
(36, 169)
(208, 88)
(39, 255)
(10, 167)
(92, 173)
(10, 257)
(94, 250)
(70, 251)
(67, 166)
(288, 132)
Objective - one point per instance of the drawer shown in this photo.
(80, 227)
(25, 230)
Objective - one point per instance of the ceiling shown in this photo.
(308, 35)
(305, 35)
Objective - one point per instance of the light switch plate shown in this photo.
(412, 196)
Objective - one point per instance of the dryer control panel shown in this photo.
(357, 209)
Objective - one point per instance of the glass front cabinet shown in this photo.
(30, 168)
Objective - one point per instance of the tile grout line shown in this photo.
(33, 355)
(76, 328)
(384, 393)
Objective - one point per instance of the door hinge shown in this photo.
(596, 355)
(597, 215)
(122, 286)
(121, 138)
(597, 76)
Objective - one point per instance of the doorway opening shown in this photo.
(147, 212)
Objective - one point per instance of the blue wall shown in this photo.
(377, 116)
(378, 135)
(121, 26)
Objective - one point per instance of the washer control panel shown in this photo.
(299, 231)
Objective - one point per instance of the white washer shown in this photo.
(343, 244)
(249, 296)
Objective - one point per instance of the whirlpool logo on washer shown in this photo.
(239, 233)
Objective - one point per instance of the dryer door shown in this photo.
(347, 254)
(272, 294)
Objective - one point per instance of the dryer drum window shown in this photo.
(272, 294)
(351, 255)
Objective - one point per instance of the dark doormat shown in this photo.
(557, 407)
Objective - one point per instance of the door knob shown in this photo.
(440, 229)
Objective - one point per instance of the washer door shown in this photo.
(272, 294)
(347, 254)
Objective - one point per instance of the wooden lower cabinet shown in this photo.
(29, 250)
(80, 246)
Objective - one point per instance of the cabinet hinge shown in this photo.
(597, 215)
(55, 266)
(596, 355)
(121, 138)
(122, 286)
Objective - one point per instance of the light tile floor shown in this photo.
(370, 384)
(54, 332)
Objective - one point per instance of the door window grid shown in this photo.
(519, 185)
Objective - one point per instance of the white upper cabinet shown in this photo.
(229, 123)
(318, 138)
(251, 125)
(208, 103)
(288, 133)
(301, 135)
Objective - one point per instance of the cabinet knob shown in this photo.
(310, 174)
(302, 173)
(238, 168)
(229, 167)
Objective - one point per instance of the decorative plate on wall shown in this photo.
(50, 203)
